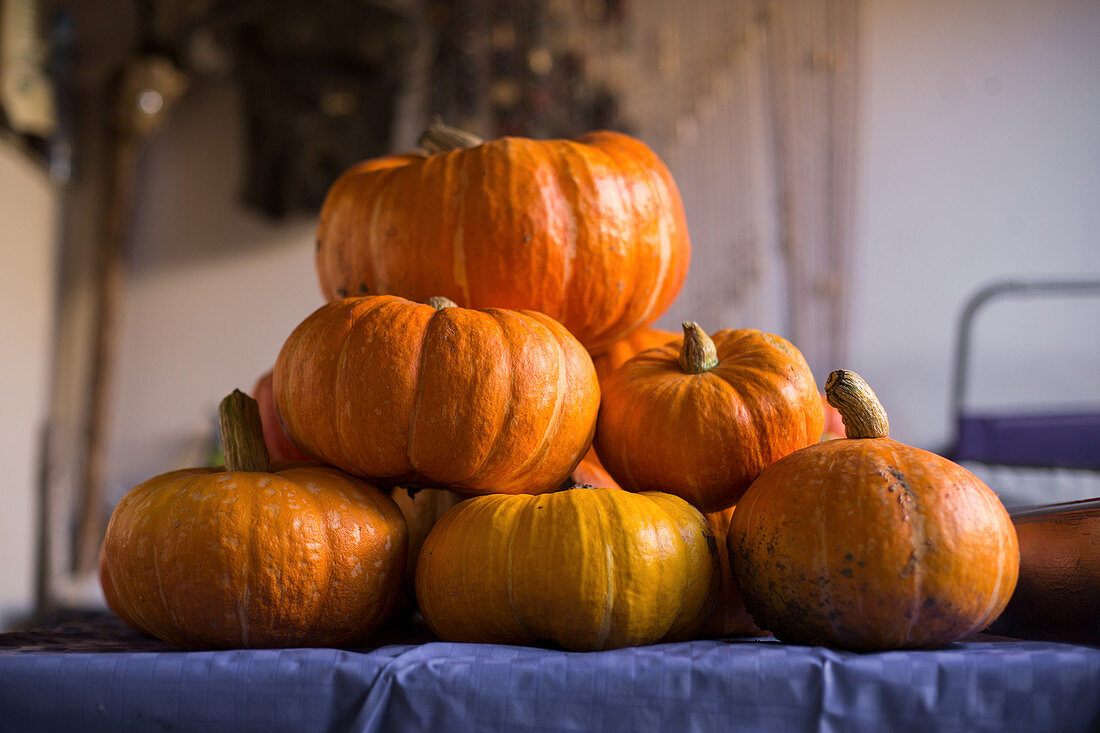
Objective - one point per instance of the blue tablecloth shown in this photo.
(756, 685)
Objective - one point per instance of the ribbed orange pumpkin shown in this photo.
(866, 543)
(475, 401)
(701, 418)
(246, 557)
(620, 351)
(729, 617)
(585, 568)
(589, 231)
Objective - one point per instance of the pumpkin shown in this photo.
(585, 568)
(589, 231)
(590, 472)
(701, 418)
(619, 352)
(869, 544)
(729, 617)
(279, 447)
(246, 556)
(436, 395)
(421, 508)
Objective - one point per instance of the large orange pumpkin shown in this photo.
(701, 418)
(866, 543)
(589, 231)
(206, 558)
(475, 401)
(585, 568)
(620, 351)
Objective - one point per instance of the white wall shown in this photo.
(979, 159)
(213, 291)
(28, 207)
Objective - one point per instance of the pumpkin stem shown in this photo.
(863, 414)
(697, 355)
(440, 138)
(439, 302)
(242, 434)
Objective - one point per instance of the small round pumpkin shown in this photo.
(621, 351)
(702, 417)
(589, 231)
(584, 568)
(729, 617)
(205, 558)
(279, 447)
(436, 395)
(866, 543)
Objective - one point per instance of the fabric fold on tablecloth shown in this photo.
(978, 685)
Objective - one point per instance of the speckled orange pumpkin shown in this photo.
(867, 543)
(206, 558)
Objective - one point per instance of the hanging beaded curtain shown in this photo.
(750, 102)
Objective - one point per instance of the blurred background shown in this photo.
(853, 172)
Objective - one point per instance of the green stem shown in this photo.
(440, 138)
(859, 407)
(697, 355)
(243, 434)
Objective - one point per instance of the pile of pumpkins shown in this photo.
(481, 425)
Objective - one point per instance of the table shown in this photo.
(97, 675)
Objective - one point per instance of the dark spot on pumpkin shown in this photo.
(929, 602)
(342, 292)
(363, 288)
(847, 572)
(848, 557)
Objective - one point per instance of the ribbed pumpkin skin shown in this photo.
(584, 568)
(620, 351)
(474, 401)
(705, 437)
(589, 231)
(208, 559)
(871, 544)
(729, 617)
